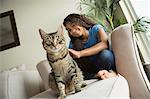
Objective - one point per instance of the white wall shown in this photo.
(30, 15)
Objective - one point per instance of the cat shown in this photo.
(66, 76)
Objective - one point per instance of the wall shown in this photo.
(30, 15)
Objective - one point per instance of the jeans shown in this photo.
(104, 60)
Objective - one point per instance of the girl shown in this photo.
(89, 47)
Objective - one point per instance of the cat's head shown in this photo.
(53, 42)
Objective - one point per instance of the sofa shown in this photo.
(128, 61)
(130, 83)
(27, 84)
(20, 84)
(96, 89)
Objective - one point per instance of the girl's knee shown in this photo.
(106, 54)
(107, 59)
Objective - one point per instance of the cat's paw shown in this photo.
(61, 97)
(83, 85)
(78, 90)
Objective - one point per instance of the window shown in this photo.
(141, 8)
(134, 9)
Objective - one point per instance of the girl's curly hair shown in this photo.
(79, 19)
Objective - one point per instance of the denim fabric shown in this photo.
(105, 60)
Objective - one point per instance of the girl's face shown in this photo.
(74, 30)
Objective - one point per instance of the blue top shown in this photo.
(92, 39)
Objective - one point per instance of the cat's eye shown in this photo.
(48, 43)
(47, 38)
(60, 41)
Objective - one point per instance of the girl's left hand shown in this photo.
(74, 53)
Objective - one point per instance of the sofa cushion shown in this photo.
(19, 84)
(19, 67)
(112, 88)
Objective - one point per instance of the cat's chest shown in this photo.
(62, 65)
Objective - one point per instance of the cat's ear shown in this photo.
(42, 33)
(61, 30)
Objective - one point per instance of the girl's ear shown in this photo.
(42, 33)
(61, 30)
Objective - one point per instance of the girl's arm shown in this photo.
(94, 49)
(97, 47)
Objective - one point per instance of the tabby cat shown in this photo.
(66, 76)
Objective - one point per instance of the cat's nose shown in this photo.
(54, 44)
(55, 47)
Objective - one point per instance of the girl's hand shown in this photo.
(74, 53)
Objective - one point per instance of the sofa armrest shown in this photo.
(44, 69)
(128, 62)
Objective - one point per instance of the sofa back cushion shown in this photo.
(19, 84)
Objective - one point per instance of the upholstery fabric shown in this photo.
(113, 88)
(96, 89)
(44, 69)
(128, 62)
(19, 84)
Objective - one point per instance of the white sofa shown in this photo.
(96, 89)
(24, 84)
(128, 61)
(20, 84)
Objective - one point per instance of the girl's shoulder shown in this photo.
(95, 28)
